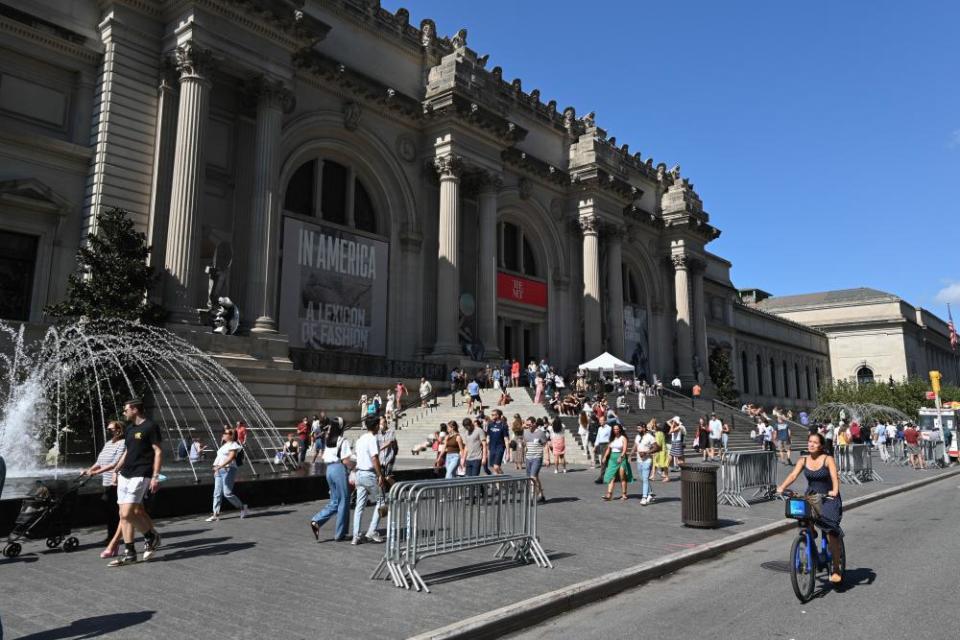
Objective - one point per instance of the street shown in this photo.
(900, 583)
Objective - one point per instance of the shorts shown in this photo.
(496, 456)
(131, 490)
(716, 443)
(913, 449)
(475, 398)
(533, 466)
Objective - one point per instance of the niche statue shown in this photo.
(226, 317)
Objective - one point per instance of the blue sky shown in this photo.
(823, 137)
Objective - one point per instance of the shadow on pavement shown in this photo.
(267, 514)
(480, 568)
(194, 543)
(93, 627)
(562, 499)
(30, 557)
(212, 550)
(853, 578)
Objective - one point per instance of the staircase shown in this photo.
(417, 424)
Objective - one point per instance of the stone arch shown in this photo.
(637, 258)
(530, 214)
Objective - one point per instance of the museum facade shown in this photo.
(364, 190)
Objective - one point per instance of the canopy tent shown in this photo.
(606, 362)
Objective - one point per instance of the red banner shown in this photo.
(523, 290)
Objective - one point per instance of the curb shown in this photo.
(526, 613)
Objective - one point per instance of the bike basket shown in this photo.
(797, 508)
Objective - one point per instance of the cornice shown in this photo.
(281, 21)
(534, 166)
(451, 104)
(49, 39)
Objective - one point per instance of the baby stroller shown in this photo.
(46, 513)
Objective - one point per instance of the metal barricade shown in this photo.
(435, 517)
(932, 453)
(898, 453)
(855, 464)
(746, 470)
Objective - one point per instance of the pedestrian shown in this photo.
(783, 440)
(642, 397)
(336, 455)
(370, 482)
(533, 441)
(715, 431)
(400, 390)
(109, 455)
(696, 391)
(391, 405)
(473, 389)
(616, 463)
(139, 471)
(548, 448)
(661, 458)
(425, 390)
(516, 429)
(678, 434)
(363, 406)
(452, 450)
(497, 436)
(475, 448)
(645, 447)
(600, 444)
(766, 434)
(725, 435)
(911, 438)
(515, 373)
(583, 432)
(539, 383)
(702, 438)
(241, 430)
(303, 435)
(558, 440)
(387, 446)
(224, 474)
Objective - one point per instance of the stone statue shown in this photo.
(218, 273)
(428, 33)
(226, 317)
(459, 41)
(351, 115)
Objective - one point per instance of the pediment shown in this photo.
(31, 193)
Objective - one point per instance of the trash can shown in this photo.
(698, 495)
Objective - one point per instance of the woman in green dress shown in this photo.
(661, 459)
(616, 463)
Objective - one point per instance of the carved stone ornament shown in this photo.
(680, 262)
(351, 115)
(490, 182)
(569, 116)
(448, 166)
(273, 93)
(193, 61)
(406, 148)
(459, 41)
(589, 225)
(428, 33)
(525, 187)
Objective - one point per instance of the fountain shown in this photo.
(861, 412)
(62, 390)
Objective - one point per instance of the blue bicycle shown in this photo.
(807, 561)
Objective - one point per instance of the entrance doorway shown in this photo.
(522, 339)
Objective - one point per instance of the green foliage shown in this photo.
(112, 277)
(722, 377)
(907, 395)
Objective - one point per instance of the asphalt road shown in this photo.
(903, 560)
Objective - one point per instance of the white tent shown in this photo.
(606, 362)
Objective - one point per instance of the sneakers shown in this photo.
(374, 537)
(644, 501)
(108, 553)
(124, 560)
(150, 546)
(355, 541)
(555, 471)
(212, 518)
(244, 512)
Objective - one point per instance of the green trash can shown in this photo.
(698, 495)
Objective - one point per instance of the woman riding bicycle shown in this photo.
(820, 470)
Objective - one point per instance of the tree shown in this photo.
(722, 377)
(112, 278)
(907, 395)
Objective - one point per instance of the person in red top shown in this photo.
(696, 390)
(515, 372)
(303, 434)
(911, 436)
(241, 432)
(855, 433)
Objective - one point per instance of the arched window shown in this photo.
(796, 379)
(342, 197)
(773, 378)
(760, 386)
(786, 384)
(810, 387)
(515, 252)
(746, 374)
(864, 375)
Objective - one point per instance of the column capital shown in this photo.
(489, 182)
(269, 93)
(680, 262)
(449, 167)
(193, 62)
(590, 225)
(614, 232)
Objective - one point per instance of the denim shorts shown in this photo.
(533, 466)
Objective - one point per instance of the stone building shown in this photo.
(378, 200)
(874, 335)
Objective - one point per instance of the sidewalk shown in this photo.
(266, 575)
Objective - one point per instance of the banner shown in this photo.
(333, 291)
(520, 289)
(636, 344)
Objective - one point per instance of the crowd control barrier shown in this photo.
(744, 471)
(855, 464)
(435, 517)
(933, 453)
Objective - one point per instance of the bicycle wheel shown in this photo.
(803, 568)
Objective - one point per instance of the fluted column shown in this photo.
(700, 323)
(163, 155)
(487, 277)
(615, 292)
(264, 226)
(182, 296)
(448, 263)
(592, 336)
(681, 286)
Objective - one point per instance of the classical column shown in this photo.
(700, 323)
(182, 295)
(264, 226)
(163, 154)
(615, 292)
(487, 278)
(448, 263)
(684, 330)
(592, 338)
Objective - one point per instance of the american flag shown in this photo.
(953, 330)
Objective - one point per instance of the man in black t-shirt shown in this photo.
(138, 470)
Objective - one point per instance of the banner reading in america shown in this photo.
(333, 293)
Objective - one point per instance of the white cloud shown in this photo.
(950, 293)
(954, 141)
